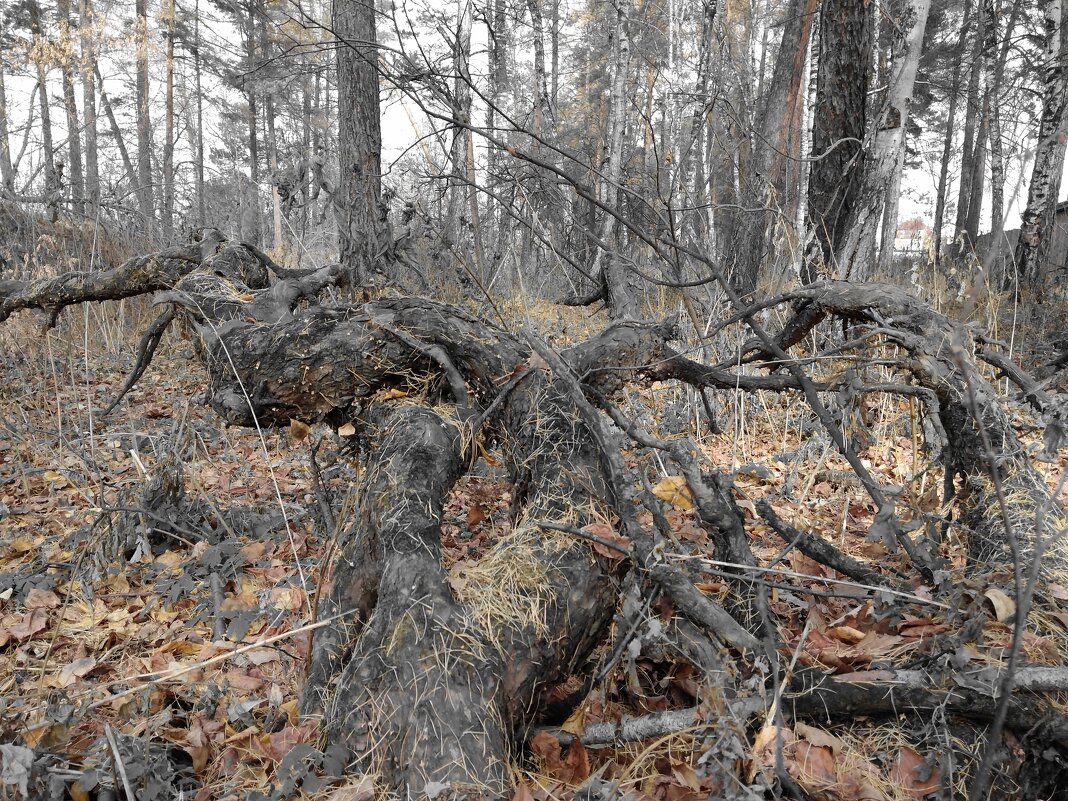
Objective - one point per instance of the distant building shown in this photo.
(912, 237)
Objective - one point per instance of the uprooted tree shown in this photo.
(433, 684)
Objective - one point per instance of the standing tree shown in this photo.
(839, 127)
(357, 202)
(144, 122)
(1037, 223)
(881, 184)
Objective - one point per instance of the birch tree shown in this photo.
(883, 162)
(1037, 221)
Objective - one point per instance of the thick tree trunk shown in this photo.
(199, 144)
(1037, 223)
(250, 222)
(773, 175)
(168, 126)
(966, 195)
(48, 153)
(839, 116)
(618, 283)
(856, 253)
(358, 197)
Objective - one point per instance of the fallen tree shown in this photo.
(429, 683)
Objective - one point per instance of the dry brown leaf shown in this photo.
(603, 531)
(576, 763)
(673, 490)
(41, 599)
(1057, 591)
(362, 789)
(33, 622)
(813, 766)
(475, 514)
(576, 724)
(818, 737)
(288, 598)
(846, 634)
(909, 770)
(1004, 606)
(546, 747)
(347, 430)
(523, 793)
(75, 670)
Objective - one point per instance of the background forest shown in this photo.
(594, 400)
(718, 126)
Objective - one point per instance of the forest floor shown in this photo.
(204, 644)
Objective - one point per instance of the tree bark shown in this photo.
(358, 198)
(856, 255)
(966, 196)
(839, 127)
(619, 291)
(250, 222)
(144, 124)
(74, 128)
(7, 173)
(199, 144)
(947, 148)
(120, 141)
(87, 65)
(48, 153)
(168, 127)
(773, 175)
(1037, 222)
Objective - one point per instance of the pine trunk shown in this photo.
(359, 139)
(839, 127)
(947, 147)
(168, 129)
(70, 105)
(144, 124)
(88, 80)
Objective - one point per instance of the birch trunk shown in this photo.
(619, 292)
(882, 172)
(1037, 222)
(7, 174)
